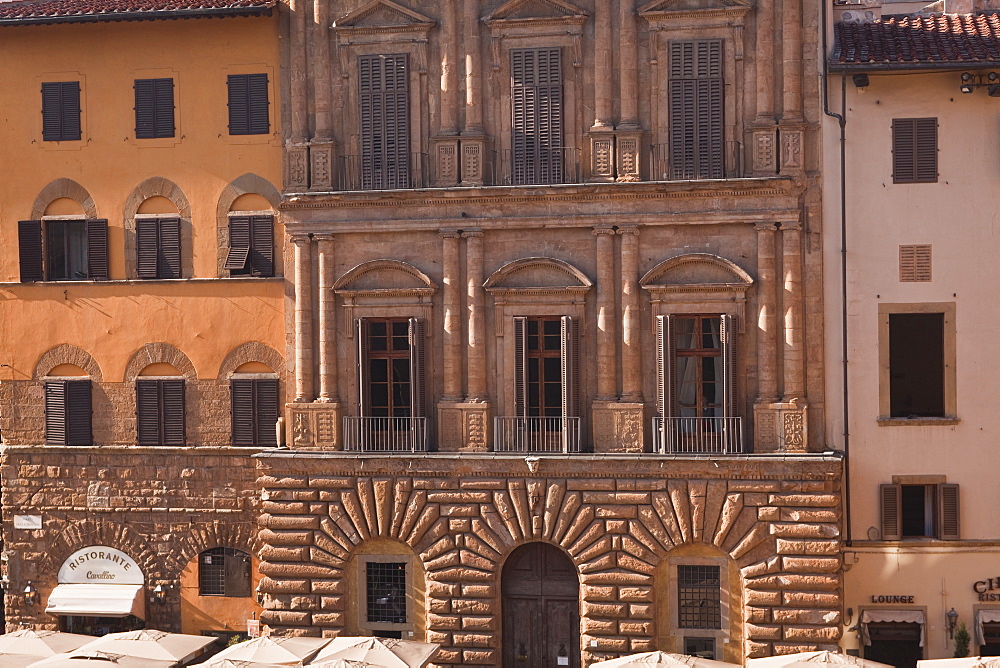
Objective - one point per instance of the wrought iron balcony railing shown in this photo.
(365, 173)
(385, 434)
(542, 166)
(698, 435)
(536, 434)
(720, 160)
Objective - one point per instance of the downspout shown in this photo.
(842, 122)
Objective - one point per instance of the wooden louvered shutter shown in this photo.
(147, 408)
(29, 249)
(695, 94)
(147, 247)
(70, 104)
(163, 115)
(418, 371)
(237, 574)
(925, 150)
(168, 264)
(384, 111)
(239, 104)
(890, 497)
(364, 397)
(239, 243)
(665, 366)
(570, 362)
(172, 413)
(145, 108)
(728, 334)
(397, 121)
(242, 409)
(61, 111)
(55, 412)
(265, 395)
(536, 116)
(520, 366)
(262, 245)
(97, 249)
(948, 515)
(257, 103)
(903, 155)
(78, 413)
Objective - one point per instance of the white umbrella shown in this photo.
(236, 663)
(811, 659)
(151, 644)
(341, 663)
(964, 662)
(286, 651)
(386, 652)
(18, 660)
(41, 643)
(647, 659)
(93, 659)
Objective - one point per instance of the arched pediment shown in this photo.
(537, 273)
(384, 276)
(697, 272)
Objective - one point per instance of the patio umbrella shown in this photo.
(41, 643)
(92, 659)
(964, 662)
(18, 660)
(151, 644)
(813, 660)
(341, 663)
(647, 659)
(285, 651)
(386, 652)
(236, 663)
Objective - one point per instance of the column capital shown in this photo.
(469, 234)
(323, 236)
(449, 233)
(791, 225)
(632, 230)
(301, 239)
(604, 229)
(765, 227)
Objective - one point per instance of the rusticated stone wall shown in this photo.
(618, 518)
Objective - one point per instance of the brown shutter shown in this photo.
(665, 366)
(266, 411)
(97, 249)
(172, 412)
(520, 366)
(361, 334)
(169, 258)
(257, 103)
(239, 104)
(728, 334)
(29, 249)
(147, 247)
(384, 112)
(163, 118)
(890, 510)
(262, 245)
(536, 116)
(55, 412)
(239, 243)
(948, 516)
(696, 115)
(147, 408)
(241, 398)
(570, 354)
(915, 263)
(78, 413)
(237, 574)
(418, 380)
(925, 150)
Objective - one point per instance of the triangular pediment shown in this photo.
(383, 14)
(687, 6)
(519, 10)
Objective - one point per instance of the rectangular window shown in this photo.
(384, 112)
(916, 365)
(160, 411)
(919, 511)
(224, 571)
(385, 586)
(545, 375)
(695, 89)
(536, 103)
(251, 246)
(699, 597)
(63, 250)
(248, 104)
(68, 412)
(158, 247)
(391, 373)
(255, 411)
(61, 111)
(914, 150)
(154, 108)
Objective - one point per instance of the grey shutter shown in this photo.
(257, 105)
(890, 499)
(147, 247)
(728, 334)
(384, 111)
(145, 108)
(665, 366)
(948, 516)
(266, 411)
(55, 412)
(696, 116)
(78, 413)
(237, 575)
(242, 410)
(903, 154)
(172, 412)
(29, 249)
(239, 104)
(262, 245)
(97, 249)
(520, 366)
(70, 111)
(239, 243)
(168, 264)
(147, 408)
(925, 150)
(418, 380)
(361, 334)
(536, 116)
(61, 111)
(163, 114)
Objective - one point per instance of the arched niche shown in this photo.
(156, 354)
(251, 353)
(698, 283)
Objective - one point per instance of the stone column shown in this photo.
(792, 302)
(321, 148)
(763, 150)
(628, 87)
(791, 60)
(473, 143)
(475, 316)
(631, 345)
(451, 299)
(449, 74)
(327, 321)
(296, 152)
(602, 64)
(303, 319)
(767, 346)
(607, 367)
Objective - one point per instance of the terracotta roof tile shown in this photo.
(59, 11)
(937, 39)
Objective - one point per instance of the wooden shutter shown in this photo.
(520, 366)
(55, 412)
(728, 334)
(78, 413)
(29, 249)
(925, 150)
(915, 263)
(384, 112)
(665, 366)
(97, 249)
(239, 243)
(257, 103)
(418, 379)
(61, 111)
(70, 111)
(266, 411)
(536, 115)
(890, 511)
(239, 104)
(262, 245)
(147, 243)
(172, 411)
(570, 362)
(361, 334)
(242, 410)
(163, 115)
(695, 95)
(168, 263)
(948, 516)
(147, 408)
(145, 108)
(237, 574)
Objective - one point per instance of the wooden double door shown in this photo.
(541, 609)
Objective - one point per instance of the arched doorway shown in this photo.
(541, 608)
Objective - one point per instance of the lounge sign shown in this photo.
(100, 565)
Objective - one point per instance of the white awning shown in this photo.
(889, 615)
(98, 600)
(985, 616)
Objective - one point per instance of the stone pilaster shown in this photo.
(765, 62)
(298, 71)
(327, 321)
(473, 77)
(475, 305)
(792, 304)
(631, 343)
(320, 73)
(463, 427)
(451, 303)
(628, 86)
(607, 317)
(767, 343)
(791, 60)
(603, 78)
(303, 319)
(449, 68)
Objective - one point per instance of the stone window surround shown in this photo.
(362, 589)
(248, 184)
(719, 634)
(158, 187)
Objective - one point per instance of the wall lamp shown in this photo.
(159, 594)
(970, 82)
(860, 80)
(952, 619)
(30, 595)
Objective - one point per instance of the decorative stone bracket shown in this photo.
(763, 149)
(781, 427)
(618, 427)
(463, 427)
(614, 156)
(314, 426)
(309, 166)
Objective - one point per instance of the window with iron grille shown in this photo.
(224, 571)
(699, 597)
(385, 584)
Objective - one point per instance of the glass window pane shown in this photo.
(684, 337)
(710, 333)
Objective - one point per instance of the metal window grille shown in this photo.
(386, 586)
(699, 594)
(212, 572)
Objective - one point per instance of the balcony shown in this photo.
(546, 166)
(724, 160)
(385, 434)
(698, 435)
(361, 173)
(536, 434)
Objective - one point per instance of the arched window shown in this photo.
(255, 400)
(68, 406)
(224, 571)
(159, 397)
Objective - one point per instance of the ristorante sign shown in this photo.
(100, 565)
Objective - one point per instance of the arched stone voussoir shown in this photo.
(67, 354)
(156, 353)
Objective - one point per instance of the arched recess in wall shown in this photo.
(252, 351)
(176, 205)
(159, 353)
(248, 184)
(69, 536)
(63, 188)
(67, 354)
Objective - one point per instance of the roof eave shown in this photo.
(215, 12)
(911, 67)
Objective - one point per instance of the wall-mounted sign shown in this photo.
(27, 521)
(893, 598)
(985, 589)
(100, 565)
(253, 628)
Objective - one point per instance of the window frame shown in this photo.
(248, 120)
(60, 115)
(666, 354)
(946, 517)
(225, 552)
(362, 588)
(34, 247)
(416, 355)
(725, 614)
